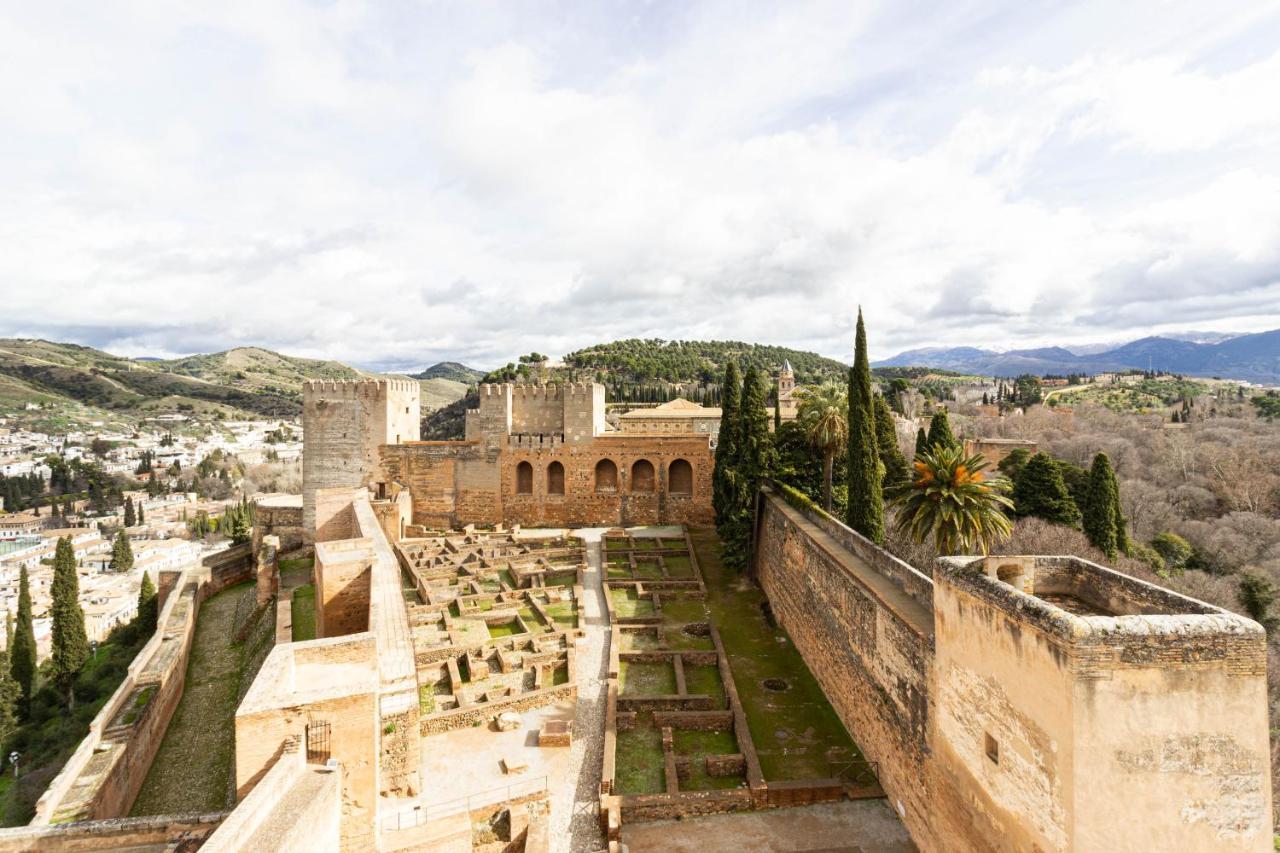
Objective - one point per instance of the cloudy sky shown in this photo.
(396, 183)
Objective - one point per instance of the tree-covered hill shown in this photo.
(640, 361)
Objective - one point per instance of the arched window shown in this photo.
(555, 479)
(606, 476)
(524, 479)
(680, 478)
(642, 479)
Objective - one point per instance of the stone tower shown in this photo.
(786, 392)
(343, 424)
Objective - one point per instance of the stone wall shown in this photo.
(870, 645)
(102, 777)
(278, 517)
(164, 832)
(343, 425)
(458, 483)
(343, 576)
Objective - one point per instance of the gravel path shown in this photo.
(577, 830)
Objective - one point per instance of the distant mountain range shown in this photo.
(241, 382)
(1252, 358)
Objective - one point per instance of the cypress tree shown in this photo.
(22, 659)
(142, 518)
(1103, 521)
(70, 646)
(1040, 491)
(865, 512)
(922, 441)
(121, 554)
(726, 446)
(940, 431)
(754, 463)
(130, 518)
(148, 605)
(1121, 526)
(891, 458)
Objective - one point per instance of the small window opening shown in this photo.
(992, 748)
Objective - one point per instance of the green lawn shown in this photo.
(679, 566)
(304, 613)
(627, 604)
(192, 771)
(639, 768)
(646, 679)
(295, 572)
(705, 680)
(793, 729)
(648, 568)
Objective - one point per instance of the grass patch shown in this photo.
(304, 613)
(639, 642)
(192, 770)
(560, 675)
(139, 702)
(645, 544)
(618, 543)
(792, 730)
(505, 629)
(679, 566)
(427, 699)
(622, 570)
(705, 680)
(627, 604)
(639, 767)
(648, 568)
(296, 572)
(507, 576)
(636, 678)
(563, 613)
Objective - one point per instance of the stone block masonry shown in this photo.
(998, 719)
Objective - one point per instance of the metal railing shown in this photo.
(409, 816)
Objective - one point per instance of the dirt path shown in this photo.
(577, 830)
(192, 770)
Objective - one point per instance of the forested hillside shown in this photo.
(638, 361)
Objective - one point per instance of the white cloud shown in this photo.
(393, 186)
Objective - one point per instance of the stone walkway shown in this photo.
(577, 829)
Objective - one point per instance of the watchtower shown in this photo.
(343, 425)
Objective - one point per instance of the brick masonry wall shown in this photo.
(459, 483)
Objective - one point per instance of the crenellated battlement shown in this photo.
(377, 388)
(527, 441)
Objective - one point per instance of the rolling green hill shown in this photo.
(638, 361)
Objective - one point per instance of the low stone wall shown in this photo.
(166, 832)
(804, 792)
(638, 807)
(702, 721)
(695, 702)
(471, 714)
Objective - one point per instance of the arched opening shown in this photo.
(524, 479)
(642, 477)
(555, 479)
(680, 478)
(606, 476)
(1011, 573)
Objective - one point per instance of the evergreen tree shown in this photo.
(148, 605)
(130, 518)
(142, 518)
(70, 646)
(940, 431)
(1039, 490)
(754, 463)
(891, 458)
(1256, 595)
(726, 446)
(865, 510)
(121, 554)
(1104, 523)
(22, 660)
(922, 441)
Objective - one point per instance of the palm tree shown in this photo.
(824, 416)
(951, 499)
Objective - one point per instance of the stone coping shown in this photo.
(965, 573)
(353, 670)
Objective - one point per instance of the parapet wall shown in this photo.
(868, 642)
(103, 776)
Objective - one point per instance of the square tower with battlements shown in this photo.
(1082, 709)
(344, 424)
